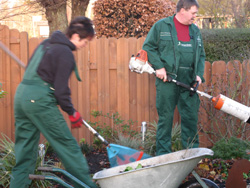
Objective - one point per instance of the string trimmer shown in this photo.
(139, 64)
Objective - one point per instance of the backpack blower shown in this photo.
(140, 64)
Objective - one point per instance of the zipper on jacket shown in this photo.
(175, 71)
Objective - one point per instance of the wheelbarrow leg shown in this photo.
(198, 178)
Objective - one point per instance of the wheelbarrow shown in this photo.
(167, 171)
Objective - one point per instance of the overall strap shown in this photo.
(76, 73)
(31, 70)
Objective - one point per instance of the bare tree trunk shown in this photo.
(79, 7)
(56, 14)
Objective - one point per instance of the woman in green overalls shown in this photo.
(174, 46)
(44, 86)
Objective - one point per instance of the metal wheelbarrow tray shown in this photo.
(166, 171)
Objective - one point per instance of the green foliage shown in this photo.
(2, 92)
(246, 176)
(118, 126)
(128, 141)
(8, 161)
(232, 148)
(85, 147)
(49, 148)
(226, 44)
(150, 138)
(97, 144)
(176, 137)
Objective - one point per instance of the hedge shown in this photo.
(226, 44)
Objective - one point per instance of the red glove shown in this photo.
(76, 120)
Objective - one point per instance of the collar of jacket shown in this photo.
(170, 20)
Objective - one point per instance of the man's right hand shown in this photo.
(161, 74)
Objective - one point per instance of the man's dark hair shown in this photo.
(82, 26)
(186, 4)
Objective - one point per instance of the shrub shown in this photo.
(129, 18)
(226, 44)
(119, 126)
(8, 161)
(232, 148)
(85, 147)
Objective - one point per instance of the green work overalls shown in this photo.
(169, 95)
(36, 111)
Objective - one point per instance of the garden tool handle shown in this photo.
(95, 133)
(194, 87)
(12, 55)
(182, 84)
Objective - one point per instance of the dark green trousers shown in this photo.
(36, 112)
(168, 96)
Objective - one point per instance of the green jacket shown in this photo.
(161, 45)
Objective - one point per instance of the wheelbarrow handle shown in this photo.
(95, 133)
(36, 177)
(58, 180)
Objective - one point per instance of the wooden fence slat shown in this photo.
(139, 86)
(7, 127)
(33, 43)
(3, 81)
(113, 93)
(106, 83)
(153, 116)
(86, 91)
(234, 71)
(204, 104)
(246, 81)
(103, 77)
(15, 69)
(122, 78)
(132, 83)
(219, 76)
(24, 49)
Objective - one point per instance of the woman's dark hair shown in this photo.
(186, 4)
(81, 25)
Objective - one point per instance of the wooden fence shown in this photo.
(107, 84)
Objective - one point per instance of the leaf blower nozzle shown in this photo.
(232, 107)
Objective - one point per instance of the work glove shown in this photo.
(76, 120)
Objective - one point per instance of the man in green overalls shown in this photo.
(44, 86)
(174, 46)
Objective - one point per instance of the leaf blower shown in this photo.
(140, 64)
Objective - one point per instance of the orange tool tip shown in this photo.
(218, 102)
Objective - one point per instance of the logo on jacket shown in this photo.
(165, 34)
